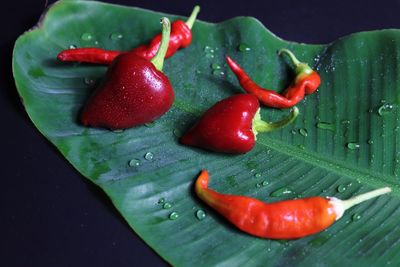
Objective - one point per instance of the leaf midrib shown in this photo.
(368, 177)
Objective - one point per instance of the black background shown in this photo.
(50, 215)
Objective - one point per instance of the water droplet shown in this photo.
(134, 163)
(118, 131)
(218, 73)
(345, 122)
(88, 81)
(116, 36)
(208, 49)
(244, 47)
(356, 217)
(353, 146)
(173, 215)
(282, 192)
(177, 132)
(341, 188)
(265, 183)
(385, 109)
(200, 215)
(293, 131)
(198, 71)
(370, 142)
(215, 66)
(302, 147)
(150, 124)
(149, 156)
(72, 47)
(87, 36)
(167, 205)
(161, 201)
(257, 175)
(326, 126)
(303, 132)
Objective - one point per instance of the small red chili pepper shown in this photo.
(231, 125)
(306, 82)
(181, 37)
(287, 219)
(134, 91)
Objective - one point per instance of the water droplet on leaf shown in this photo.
(116, 36)
(215, 66)
(282, 192)
(303, 132)
(200, 215)
(385, 109)
(353, 146)
(149, 156)
(87, 36)
(134, 163)
(174, 215)
(167, 205)
(244, 47)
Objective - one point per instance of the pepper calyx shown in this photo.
(260, 126)
(301, 69)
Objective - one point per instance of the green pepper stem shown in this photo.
(301, 67)
(158, 59)
(260, 126)
(190, 21)
(347, 204)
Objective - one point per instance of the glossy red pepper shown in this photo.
(287, 219)
(181, 37)
(231, 125)
(306, 82)
(134, 91)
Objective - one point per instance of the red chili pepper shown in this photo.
(306, 82)
(134, 91)
(181, 37)
(287, 219)
(231, 125)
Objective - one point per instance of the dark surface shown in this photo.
(50, 215)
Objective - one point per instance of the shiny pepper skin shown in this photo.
(133, 92)
(288, 219)
(231, 125)
(305, 83)
(180, 37)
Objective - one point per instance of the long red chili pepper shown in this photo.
(181, 37)
(287, 219)
(306, 82)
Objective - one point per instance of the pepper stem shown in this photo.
(347, 204)
(158, 59)
(260, 126)
(301, 67)
(190, 21)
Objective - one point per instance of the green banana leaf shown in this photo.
(346, 140)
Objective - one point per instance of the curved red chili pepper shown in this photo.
(181, 37)
(287, 219)
(306, 82)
